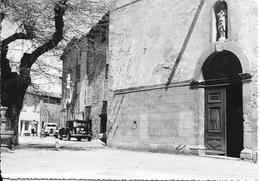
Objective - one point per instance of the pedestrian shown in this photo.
(32, 132)
(57, 145)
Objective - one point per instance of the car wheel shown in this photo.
(60, 137)
(89, 138)
(79, 139)
(11, 145)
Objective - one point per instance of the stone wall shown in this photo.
(50, 113)
(71, 60)
(145, 40)
(97, 93)
(156, 119)
(93, 48)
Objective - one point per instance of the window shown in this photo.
(26, 125)
(80, 54)
(85, 98)
(78, 72)
(107, 66)
(34, 107)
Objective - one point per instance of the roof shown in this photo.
(101, 25)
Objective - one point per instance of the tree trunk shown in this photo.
(14, 96)
(13, 84)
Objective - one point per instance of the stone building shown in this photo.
(50, 109)
(38, 109)
(184, 76)
(70, 80)
(84, 77)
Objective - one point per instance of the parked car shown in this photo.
(78, 129)
(56, 133)
(50, 128)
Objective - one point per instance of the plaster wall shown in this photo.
(71, 60)
(145, 40)
(83, 73)
(97, 88)
(29, 113)
(93, 71)
(156, 119)
(50, 113)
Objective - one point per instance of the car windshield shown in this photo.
(77, 124)
(51, 125)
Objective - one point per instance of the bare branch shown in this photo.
(59, 11)
(4, 48)
(14, 37)
(2, 16)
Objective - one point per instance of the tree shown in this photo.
(47, 24)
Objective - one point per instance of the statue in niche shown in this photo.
(220, 11)
(68, 90)
(221, 25)
(68, 81)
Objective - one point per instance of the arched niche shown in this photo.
(220, 21)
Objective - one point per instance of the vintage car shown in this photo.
(78, 129)
(50, 128)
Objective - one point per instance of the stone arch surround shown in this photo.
(220, 46)
(249, 152)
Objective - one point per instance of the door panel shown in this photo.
(215, 123)
(214, 117)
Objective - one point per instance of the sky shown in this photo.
(52, 84)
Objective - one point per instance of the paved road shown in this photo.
(37, 158)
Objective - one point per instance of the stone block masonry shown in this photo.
(157, 120)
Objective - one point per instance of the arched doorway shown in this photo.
(223, 104)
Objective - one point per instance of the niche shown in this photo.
(220, 21)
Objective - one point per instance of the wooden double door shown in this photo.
(215, 122)
(224, 120)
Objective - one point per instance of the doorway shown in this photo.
(103, 118)
(223, 104)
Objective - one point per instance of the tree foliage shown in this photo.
(48, 25)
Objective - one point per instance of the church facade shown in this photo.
(184, 77)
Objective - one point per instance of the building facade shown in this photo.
(184, 76)
(37, 110)
(84, 89)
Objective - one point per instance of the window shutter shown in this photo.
(89, 96)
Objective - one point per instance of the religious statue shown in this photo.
(68, 81)
(68, 90)
(221, 25)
